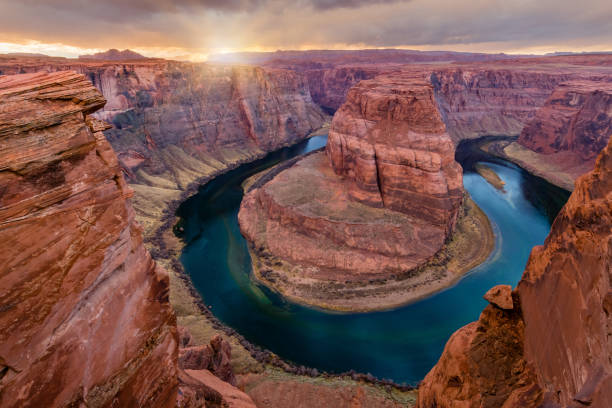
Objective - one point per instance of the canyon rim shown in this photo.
(353, 220)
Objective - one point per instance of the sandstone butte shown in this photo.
(379, 203)
(86, 318)
(552, 347)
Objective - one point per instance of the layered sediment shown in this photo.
(177, 123)
(85, 312)
(563, 139)
(354, 228)
(504, 359)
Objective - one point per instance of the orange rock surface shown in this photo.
(85, 313)
(554, 346)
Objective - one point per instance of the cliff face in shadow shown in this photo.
(551, 343)
(85, 311)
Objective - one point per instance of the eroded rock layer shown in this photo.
(388, 140)
(85, 313)
(553, 347)
(378, 204)
(175, 123)
(577, 117)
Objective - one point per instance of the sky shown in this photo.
(195, 29)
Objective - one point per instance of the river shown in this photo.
(400, 344)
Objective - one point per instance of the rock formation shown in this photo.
(114, 55)
(178, 122)
(389, 143)
(380, 203)
(553, 347)
(85, 313)
(214, 357)
(492, 100)
(576, 118)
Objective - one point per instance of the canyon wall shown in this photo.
(490, 100)
(175, 123)
(577, 117)
(329, 86)
(85, 313)
(548, 343)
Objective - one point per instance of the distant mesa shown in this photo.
(114, 55)
(26, 54)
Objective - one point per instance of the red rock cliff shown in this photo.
(552, 346)
(389, 140)
(85, 313)
(577, 117)
(490, 100)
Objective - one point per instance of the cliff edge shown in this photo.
(550, 345)
(85, 312)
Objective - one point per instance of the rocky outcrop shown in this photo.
(482, 365)
(178, 122)
(389, 143)
(500, 296)
(201, 388)
(576, 118)
(353, 228)
(553, 347)
(566, 292)
(85, 313)
(214, 357)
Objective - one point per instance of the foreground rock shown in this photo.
(201, 388)
(349, 228)
(175, 123)
(85, 314)
(214, 357)
(552, 347)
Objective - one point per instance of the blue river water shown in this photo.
(401, 344)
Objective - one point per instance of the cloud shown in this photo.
(202, 26)
(334, 4)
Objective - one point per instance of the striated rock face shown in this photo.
(329, 86)
(490, 100)
(381, 202)
(577, 118)
(389, 143)
(85, 313)
(553, 346)
(566, 293)
(177, 122)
